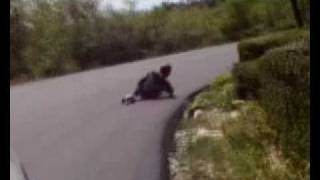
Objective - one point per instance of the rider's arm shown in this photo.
(139, 86)
(167, 87)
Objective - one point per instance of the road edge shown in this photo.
(167, 142)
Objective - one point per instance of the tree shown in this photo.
(296, 12)
(131, 6)
(18, 38)
(49, 46)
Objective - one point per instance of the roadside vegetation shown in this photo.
(254, 122)
(250, 124)
(50, 38)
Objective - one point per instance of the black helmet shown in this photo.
(165, 69)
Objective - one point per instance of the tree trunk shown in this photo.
(297, 14)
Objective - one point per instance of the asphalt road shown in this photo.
(74, 128)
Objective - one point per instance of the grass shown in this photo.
(246, 147)
(219, 94)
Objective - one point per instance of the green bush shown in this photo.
(18, 39)
(248, 18)
(60, 37)
(240, 16)
(246, 77)
(49, 52)
(220, 94)
(305, 10)
(284, 94)
(253, 48)
(277, 14)
(280, 81)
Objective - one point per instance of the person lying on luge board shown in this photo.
(151, 86)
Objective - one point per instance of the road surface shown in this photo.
(74, 128)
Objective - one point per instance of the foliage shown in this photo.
(275, 69)
(56, 37)
(246, 18)
(285, 90)
(253, 48)
(219, 94)
(249, 138)
(18, 38)
(247, 82)
(245, 148)
(49, 50)
(281, 79)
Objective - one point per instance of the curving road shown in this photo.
(74, 127)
